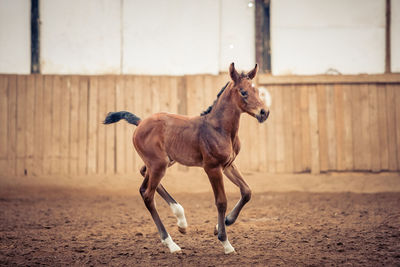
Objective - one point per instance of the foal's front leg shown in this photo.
(217, 183)
(236, 177)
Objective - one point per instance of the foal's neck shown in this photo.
(225, 114)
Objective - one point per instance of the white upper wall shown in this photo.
(171, 37)
(157, 37)
(395, 35)
(15, 45)
(237, 34)
(177, 37)
(315, 36)
(80, 37)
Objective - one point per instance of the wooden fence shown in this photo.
(334, 123)
(51, 124)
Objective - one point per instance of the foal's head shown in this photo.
(247, 96)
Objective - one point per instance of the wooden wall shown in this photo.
(51, 124)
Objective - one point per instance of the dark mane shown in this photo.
(208, 110)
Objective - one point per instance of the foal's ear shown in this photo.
(253, 72)
(233, 73)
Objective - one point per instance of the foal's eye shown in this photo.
(244, 93)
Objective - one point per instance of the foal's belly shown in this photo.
(184, 151)
(182, 143)
(188, 161)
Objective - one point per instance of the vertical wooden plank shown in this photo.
(339, 127)
(155, 94)
(322, 126)
(194, 85)
(173, 95)
(120, 142)
(373, 128)
(314, 135)
(357, 127)
(92, 125)
(83, 125)
(47, 122)
(262, 146)
(12, 124)
(271, 133)
(133, 103)
(348, 127)
(253, 136)
(144, 91)
(244, 158)
(288, 129)
(182, 105)
(21, 124)
(330, 126)
(383, 127)
(391, 122)
(182, 95)
(163, 94)
(110, 129)
(305, 129)
(143, 102)
(3, 124)
(212, 86)
(396, 88)
(74, 125)
(172, 105)
(38, 126)
(364, 162)
(56, 122)
(64, 103)
(297, 138)
(279, 130)
(30, 118)
(101, 130)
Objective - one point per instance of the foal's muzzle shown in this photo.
(262, 116)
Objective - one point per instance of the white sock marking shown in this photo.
(173, 247)
(179, 213)
(227, 247)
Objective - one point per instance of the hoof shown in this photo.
(173, 247)
(233, 251)
(182, 230)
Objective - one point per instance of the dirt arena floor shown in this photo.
(55, 226)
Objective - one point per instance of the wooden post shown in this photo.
(263, 45)
(387, 38)
(35, 37)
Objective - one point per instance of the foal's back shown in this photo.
(169, 137)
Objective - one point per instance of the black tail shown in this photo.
(117, 116)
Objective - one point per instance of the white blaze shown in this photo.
(265, 96)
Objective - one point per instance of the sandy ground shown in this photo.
(59, 225)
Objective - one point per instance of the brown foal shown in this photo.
(209, 141)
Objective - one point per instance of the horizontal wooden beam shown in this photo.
(324, 79)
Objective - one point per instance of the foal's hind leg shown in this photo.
(235, 176)
(176, 208)
(147, 190)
